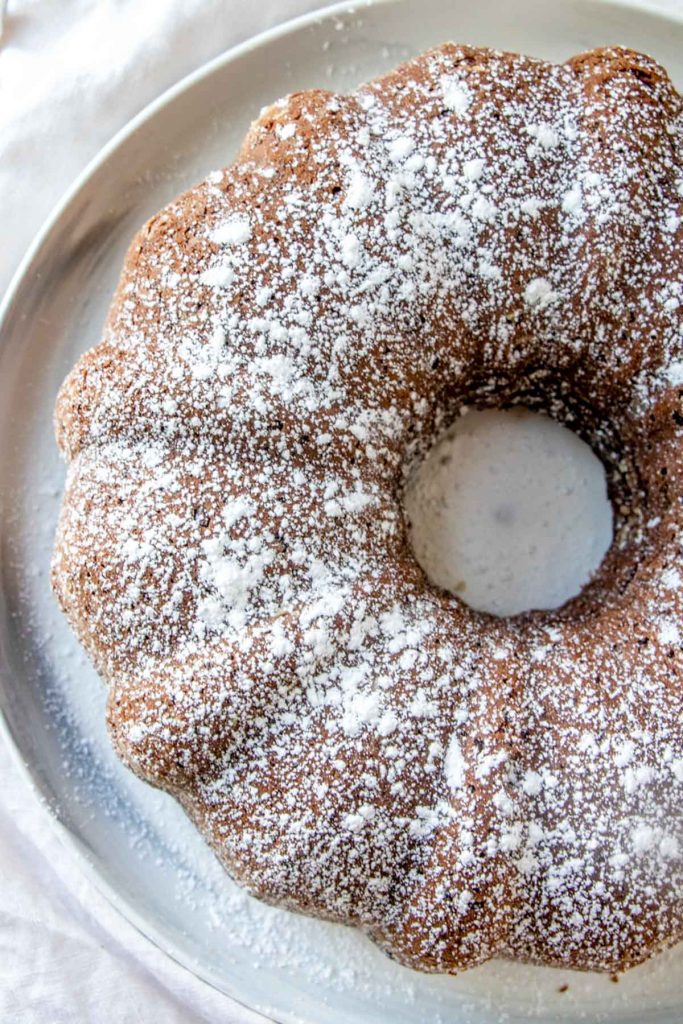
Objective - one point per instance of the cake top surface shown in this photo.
(286, 339)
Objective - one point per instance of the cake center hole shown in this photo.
(509, 511)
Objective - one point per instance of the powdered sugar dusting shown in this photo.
(455, 764)
(456, 95)
(235, 231)
(233, 552)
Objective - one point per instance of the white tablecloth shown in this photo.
(71, 73)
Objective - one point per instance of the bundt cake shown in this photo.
(287, 339)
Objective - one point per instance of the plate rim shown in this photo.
(69, 840)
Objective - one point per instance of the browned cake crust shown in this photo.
(476, 227)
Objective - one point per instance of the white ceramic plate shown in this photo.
(135, 843)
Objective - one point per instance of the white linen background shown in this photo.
(72, 72)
